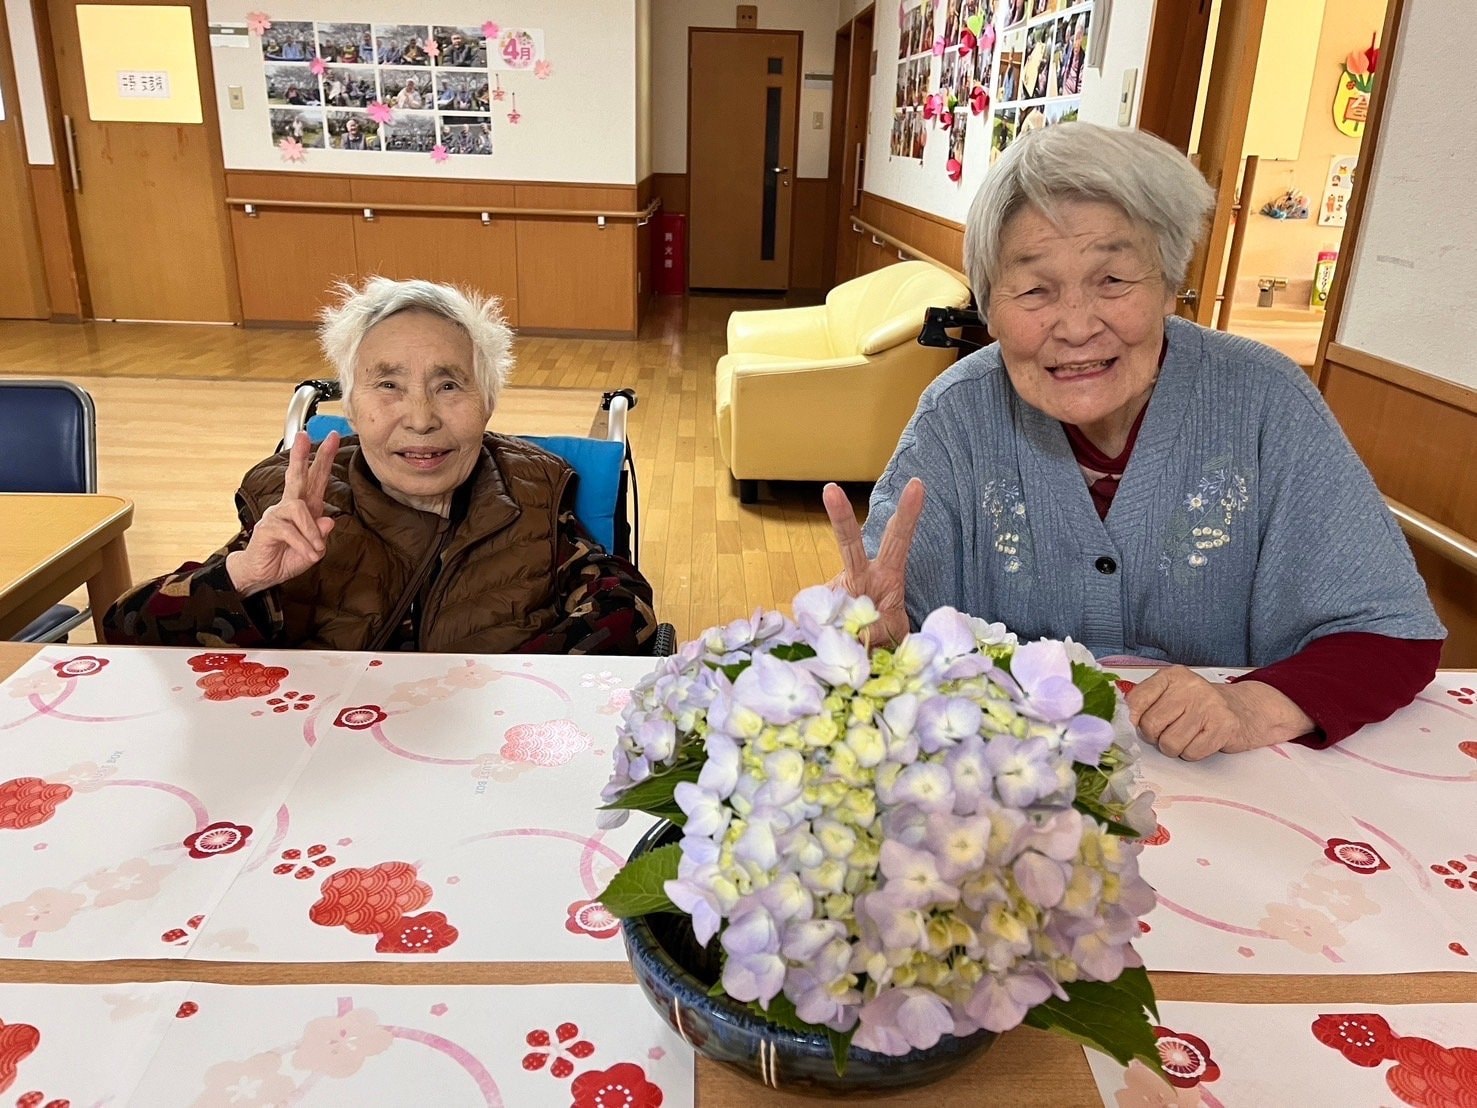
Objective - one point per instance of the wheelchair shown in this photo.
(605, 471)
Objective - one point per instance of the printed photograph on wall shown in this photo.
(305, 126)
(1002, 133)
(401, 44)
(465, 134)
(1012, 12)
(349, 86)
(462, 92)
(406, 89)
(1012, 54)
(346, 43)
(292, 85)
(410, 132)
(288, 42)
(460, 48)
(352, 131)
(1071, 52)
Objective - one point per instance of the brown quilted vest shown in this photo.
(495, 587)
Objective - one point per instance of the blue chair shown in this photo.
(602, 468)
(49, 429)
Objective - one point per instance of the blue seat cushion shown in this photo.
(41, 628)
(597, 462)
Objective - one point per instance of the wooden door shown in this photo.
(1222, 135)
(857, 98)
(23, 291)
(742, 99)
(149, 197)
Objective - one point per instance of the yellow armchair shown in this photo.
(823, 393)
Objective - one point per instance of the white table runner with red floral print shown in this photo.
(1358, 859)
(177, 1043)
(304, 806)
(1233, 1055)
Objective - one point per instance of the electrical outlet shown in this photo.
(234, 97)
(818, 120)
(1125, 98)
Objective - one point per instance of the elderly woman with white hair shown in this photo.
(423, 531)
(1109, 471)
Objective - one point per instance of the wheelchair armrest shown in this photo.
(664, 642)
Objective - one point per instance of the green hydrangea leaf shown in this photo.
(639, 888)
(840, 1048)
(654, 795)
(781, 1012)
(1098, 811)
(1109, 1016)
(793, 652)
(1099, 697)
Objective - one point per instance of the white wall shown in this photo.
(924, 185)
(670, 19)
(28, 81)
(577, 126)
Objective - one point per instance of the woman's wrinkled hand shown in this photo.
(884, 577)
(291, 536)
(1188, 717)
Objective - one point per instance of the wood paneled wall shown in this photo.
(23, 290)
(929, 234)
(1418, 435)
(59, 250)
(553, 275)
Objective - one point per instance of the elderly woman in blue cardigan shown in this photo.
(1111, 472)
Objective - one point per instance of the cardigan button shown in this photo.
(1106, 565)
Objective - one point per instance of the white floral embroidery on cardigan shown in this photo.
(1205, 521)
(1006, 509)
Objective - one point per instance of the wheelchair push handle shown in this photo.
(936, 324)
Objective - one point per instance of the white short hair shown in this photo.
(1145, 177)
(343, 325)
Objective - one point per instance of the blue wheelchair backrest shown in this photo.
(48, 428)
(596, 462)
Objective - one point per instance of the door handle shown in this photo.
(1189, 297)
(779, 169)
(69, 130)
(856, 185)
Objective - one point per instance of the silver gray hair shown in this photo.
(342, 326)
(1145, 177)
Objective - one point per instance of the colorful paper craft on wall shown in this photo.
(1356, 82)
(416, 88)
(1039, 69)
(1337, 190)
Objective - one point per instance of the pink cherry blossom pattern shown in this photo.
(84, 665)
(292, 150)
(1186, 1058)
(427, 933)
(490, 29)
(433, 48)
(515, 115)
(218, 838)
(361, 718)
(554, 742)
(498, 92)
(1463, 695)
(438, 153)
(338, 1046)
(938, 47)
(1456, 874)
(623, 1084)
(1363, 1038)
(380, 112)
(556, 1052)
(258, 23)
(317, 66)
(590, 917)
(1357, 856)
(543, 69)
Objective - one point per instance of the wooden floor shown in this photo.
(184, 410)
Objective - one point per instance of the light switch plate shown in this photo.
(234, 98)
(1125, 98)
(818, 120)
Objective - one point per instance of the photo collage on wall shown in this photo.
(1041, 61)
(383, 87)
(968, 61)
(914, 76)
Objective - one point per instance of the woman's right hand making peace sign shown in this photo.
(884, 577)
(290, 538)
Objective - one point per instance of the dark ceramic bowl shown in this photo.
(667, 961)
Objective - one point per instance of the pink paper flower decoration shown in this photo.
(380, 112)
(318, 66)
(292, 150)
(932, 104)
(987, 38)
(979, 100)
(438, 153)
(954, 168)
(543, 69)
(498, 92)
(967, 43)
(515, 115)
(902, 14)
(490, 29)
(257, 22)
(433, 48)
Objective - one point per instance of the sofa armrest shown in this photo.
(790, 332)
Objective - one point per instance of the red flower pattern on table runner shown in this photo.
(370, 901)
(207, 663)
(1425, 1074)
(84, 665)
(361, 718)
(624, 1085)
(1357, 856)
(552, 743)
(426, 933)
(1186, 1058)
(1454, 874)
(17, 1041)
(590, 917)
(29, 801)
(243, 681)
(564, 1045)
(217, 838)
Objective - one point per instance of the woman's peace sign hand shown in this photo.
(884, 577)
(290, 537)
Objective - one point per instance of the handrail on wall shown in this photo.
(904, 250)
(251, 206)
(1435, 537)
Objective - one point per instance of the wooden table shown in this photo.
(52, 543)
(1026, 1067)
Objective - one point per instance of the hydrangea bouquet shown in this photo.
(891, 845)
